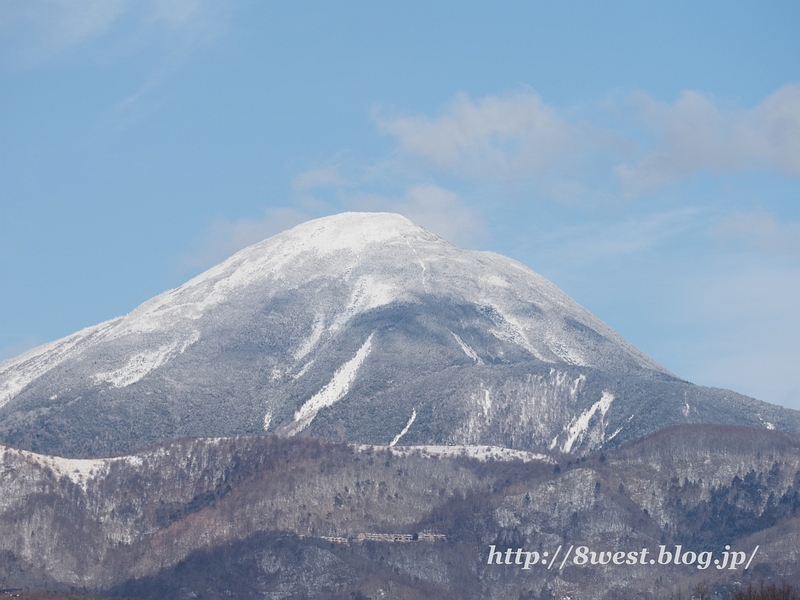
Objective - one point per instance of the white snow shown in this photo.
(137, 367)
(79, 471)
(16, 373)
(405, 429)
(144, 362)
(509, 329)
(569, 354)
(133, 459)
(302, 370)
(349, 231)
(486, 405)
(766, 424)
(272, 258)
(333, 391)
(368, 293)
(577, 384)
(580, 425)
(480, 452)
(497, 281)
(311, 341)
(421, 264)
(267, 420)
(468, 350)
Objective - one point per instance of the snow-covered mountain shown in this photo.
(361, 327)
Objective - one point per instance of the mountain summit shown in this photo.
(360, 327)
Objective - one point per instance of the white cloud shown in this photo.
(519, 136)
(37, 31)
(495, 136)
(225, 238)
(436, 209)
(696, 135)
(760, 231)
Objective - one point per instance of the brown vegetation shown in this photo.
(767, 591)
(46, 595)
(248, 515)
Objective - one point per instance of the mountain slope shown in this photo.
(359, 327)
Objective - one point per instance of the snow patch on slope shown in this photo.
(302, 370)
(421, 264)
(79, 471)
(311, 341)
(405, 429)
(766, 424)
(479, 452)
(568, 354)
(509, 329)
(486, 405)
(333, 391)
(143, 363)
(579, 426)
(368, 293)
(468, 350)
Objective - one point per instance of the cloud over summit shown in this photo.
(495, 136)
(520, 136)
(696, 134)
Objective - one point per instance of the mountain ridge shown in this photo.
(247, 513)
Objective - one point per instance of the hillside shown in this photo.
(270, 517)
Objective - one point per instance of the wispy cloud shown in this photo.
(596, 242)
(37, 30)
(167, 32)
(696, 134)
(761, 231)
(183, 26)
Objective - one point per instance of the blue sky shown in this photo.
(644, 156)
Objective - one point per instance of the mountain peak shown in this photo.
(353, 229)
(350, 231)
(361, 327)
